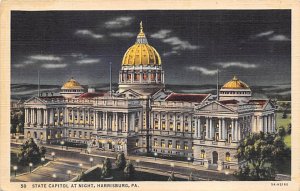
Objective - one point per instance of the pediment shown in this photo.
(269, 106)
(35, 101)
(130, 94)
(215, 107)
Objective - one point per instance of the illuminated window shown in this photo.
(155, 142)
(156, 124)
(163, 125)
(171, 126)
(186, 126)
(228, 158)
(80, 134)
(170, 144)
(163, 143)
(177, 144)
(186, 147)
(178, 126)
(202, 155)
(136, 142)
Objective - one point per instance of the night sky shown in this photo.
(254, 45)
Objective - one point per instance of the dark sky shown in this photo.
(254, 45)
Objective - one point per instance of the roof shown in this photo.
(90, 95)
(235, 83)
(72, 84)
(260, 102)
(186, 97)
(232, 101)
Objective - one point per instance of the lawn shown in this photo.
(280, 122)
(21, 168)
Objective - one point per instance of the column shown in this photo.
(83, 116)
(58, 116)
(232, 129)
(182, 122)
(207, 127)
(174, 122)
(196, 128)
(236, 130)
(223, 129)
(261, 123)
(103, 121)
(270, 123)
(95, 119)
(127, 122)
(220, 128)
(159, 120)
(47, 117)
(96, 125)
(78, 116)
(73, 116)
(210, 128)
(106, 120)
(89, 119)
(123, 122)
(199, 127)
(25, 115)
(113, 124)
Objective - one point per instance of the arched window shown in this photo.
(228, 158)
(202, 155)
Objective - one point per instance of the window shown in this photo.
(163, 125)
(163, 143)
(178, 126)
(156, 124)
(136, 142)
(171, 126)
(170, 144)
(228, 158)
(202, 155)
(80, 134)
(186, 126)
(155, 142)
(186, 147)
(85, 135)
(177, 144)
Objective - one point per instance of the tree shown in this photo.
(30, 152)
(261, 154)
(106, 169)
(281, 131)
(121, 161)
(171, 177)
(289, 129)
(129, 170)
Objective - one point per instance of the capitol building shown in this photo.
(141, 117)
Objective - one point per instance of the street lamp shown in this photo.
(189, 159)
(80, 165)
(69, 173)
(172, 165)
(155, 155)
(54, 175)
(91, 160)
(30, 165)
(137, 162)
(53, 154)
(42, 160)
(62, 144)
(15, 169)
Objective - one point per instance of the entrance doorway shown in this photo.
(215, 157)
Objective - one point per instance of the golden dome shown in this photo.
(235, 83)
(141, 53)
(72, 84)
